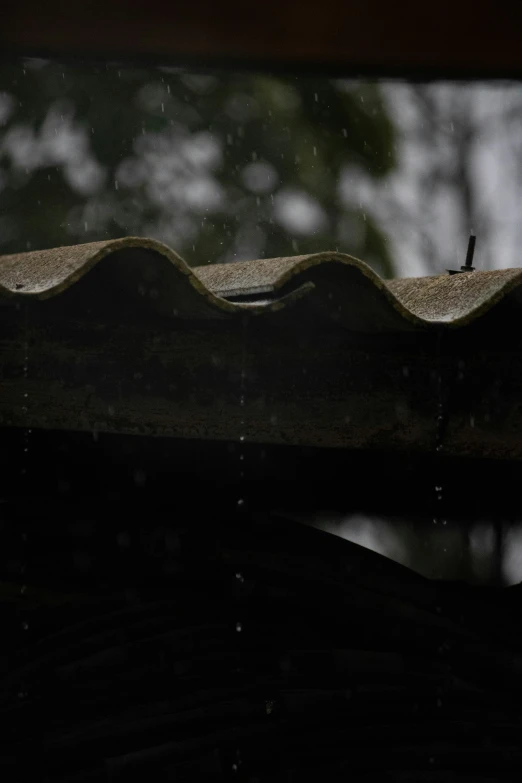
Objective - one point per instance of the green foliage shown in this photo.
(220, 166)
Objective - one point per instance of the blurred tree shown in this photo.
(457, 172)
(220, 166)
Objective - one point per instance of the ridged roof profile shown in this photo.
(343, 287)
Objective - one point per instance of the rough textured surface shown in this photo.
(455, 299)
(341, 287)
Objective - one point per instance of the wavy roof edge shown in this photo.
(441, 301)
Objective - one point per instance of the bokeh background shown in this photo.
(227, 166)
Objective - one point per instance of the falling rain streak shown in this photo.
(242, 402)
(26, 436)
(439, 436)
(241, 502)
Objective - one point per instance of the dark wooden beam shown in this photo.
(301, 384)
(444, 39)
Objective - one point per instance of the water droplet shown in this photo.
(25, 625)
(438, 489)
(242, 438)
(240, 502)
(235, 767)
(444, 521)
(241, 457)
(239, 627)
(242, 400)
(240, 577)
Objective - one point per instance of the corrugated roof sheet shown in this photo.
(339, 285)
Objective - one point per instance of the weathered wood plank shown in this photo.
(302, 385)
(342, 37)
